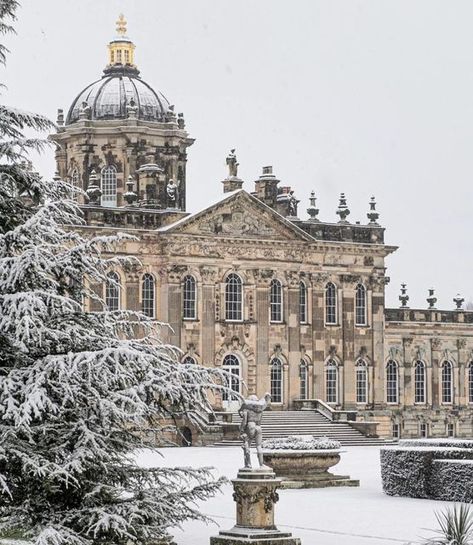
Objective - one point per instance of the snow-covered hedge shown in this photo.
(451, 480)
(407, 470)
(301, 442)
(451, 442)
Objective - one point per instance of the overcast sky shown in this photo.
(367, 97)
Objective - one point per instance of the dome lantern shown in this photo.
(121, 49)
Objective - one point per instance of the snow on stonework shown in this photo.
(301, 442)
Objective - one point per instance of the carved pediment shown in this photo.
(239, 215)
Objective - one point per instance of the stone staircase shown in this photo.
(306, 422)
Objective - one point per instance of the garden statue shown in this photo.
(251, 412)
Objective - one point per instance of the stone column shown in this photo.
(255, 495)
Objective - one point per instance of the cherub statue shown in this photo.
(251, 412)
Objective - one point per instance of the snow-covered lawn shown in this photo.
(330, 516)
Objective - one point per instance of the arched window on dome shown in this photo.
(112, 291)
(148, 295)
(419, 382)
(109, 186)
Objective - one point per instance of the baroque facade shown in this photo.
(291, 306)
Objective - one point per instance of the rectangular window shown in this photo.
(331, 384)
(423, 431)
(361, 380)
(450, 430)
(396, 430)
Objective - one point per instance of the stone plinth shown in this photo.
(255, 495)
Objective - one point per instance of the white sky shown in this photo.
(361, 96)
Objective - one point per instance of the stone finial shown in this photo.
(60, 117)
(93, 190)
(431, 299)
(459, 300)
(181, 123)
(130, 196)
(404, 298)
(313, 211)
(372, 214)
(343, 210)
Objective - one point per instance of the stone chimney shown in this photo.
(266, 187)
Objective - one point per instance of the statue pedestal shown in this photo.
(255, 495)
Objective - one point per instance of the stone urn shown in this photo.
(299, 463)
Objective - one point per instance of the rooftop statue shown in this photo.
(251, 412)
(232, 164)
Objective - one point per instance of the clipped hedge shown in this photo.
(452, 480)
(407, 470)
(451, 442)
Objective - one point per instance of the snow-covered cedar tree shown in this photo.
(76, 386)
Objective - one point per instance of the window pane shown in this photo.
(112, 292)
(189, 298)
(148, 302)
(447, 382)
(419, 382)
(109, 186)
(391, 382)
(330, 303)
(276, 381)
(302, 303)
(231, 364)
(275, 301)
(360, 305)
(331, 382)
(233, 298)
(361, 382)
(304, 380)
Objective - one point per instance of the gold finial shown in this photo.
(121, 25)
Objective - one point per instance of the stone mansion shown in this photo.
(292, 306)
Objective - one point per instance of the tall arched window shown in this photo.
(75, 182)
(233, 298)
(109, 186)
(419, 382)
(276, 380)
(304, 380)
(361, 371)
(470, 382)
(331, 314)
(112, 291)
(303, 311)
(275, 301)
(447, 382)
(231, 364)
(331, 381)
(148, 295)
(189, 298)
(360, 305)
(392, 382)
